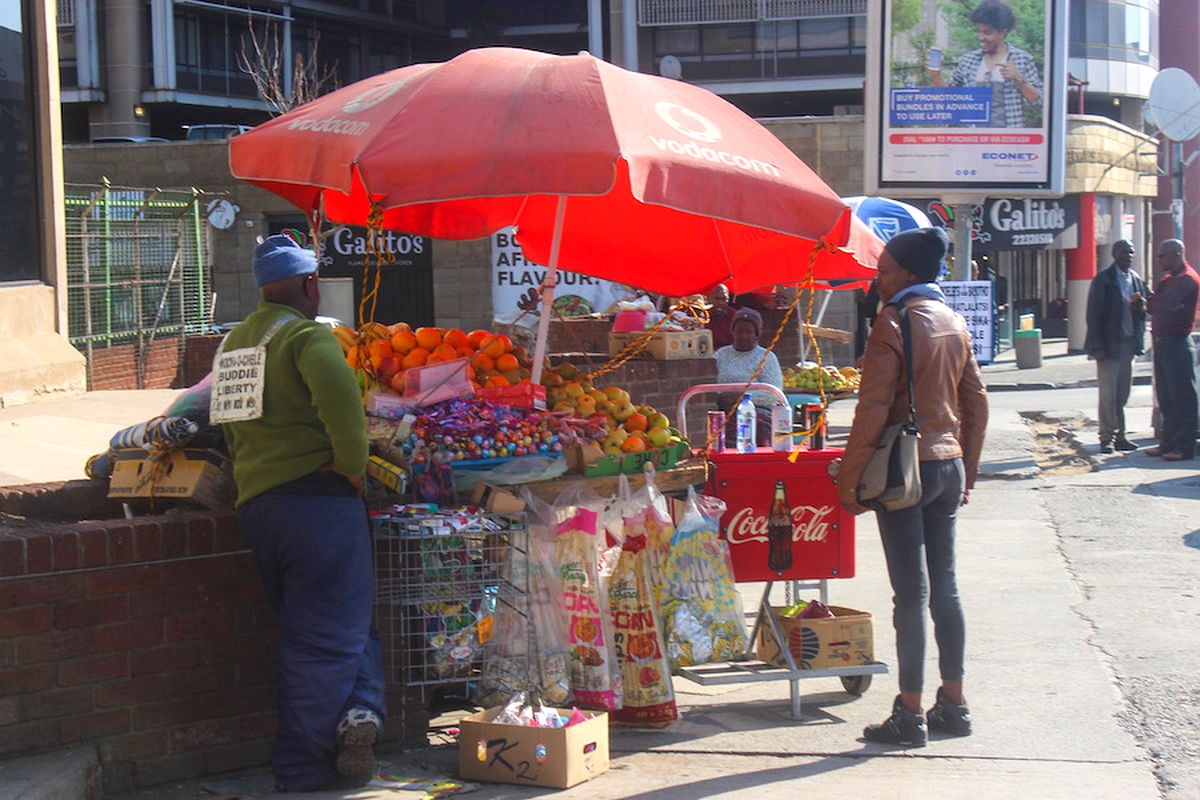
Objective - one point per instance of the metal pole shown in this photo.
(1177, 190)
(962, 242)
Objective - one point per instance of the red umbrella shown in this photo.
(616, 174)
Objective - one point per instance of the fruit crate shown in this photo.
(452, 600)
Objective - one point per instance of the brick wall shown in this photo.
(149, 638)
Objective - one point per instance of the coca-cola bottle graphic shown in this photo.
(779, 532)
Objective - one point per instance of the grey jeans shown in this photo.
(918, 544)
(1113, 378)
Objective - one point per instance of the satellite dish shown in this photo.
(670, 67)
(1174, 104)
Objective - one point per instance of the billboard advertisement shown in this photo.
(966, 98)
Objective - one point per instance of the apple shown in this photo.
(397, 382)
(389, 365)
(564, 405)
(616, 395)
(658, 436)
(657, 420)
(622, 411)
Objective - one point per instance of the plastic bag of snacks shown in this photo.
(580, 539)
(648, 696)
(702, 613)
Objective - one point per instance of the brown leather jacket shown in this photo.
(951, 401)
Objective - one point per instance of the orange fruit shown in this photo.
(466, 351)
(635, 422)
(476, 337)
(429, 338)
(379, 348)
(455, 338)
(398, 327)
(352, 358)
(633, 444)
(496, 345)
(497, 380)
(507, 362)
(444, 352)
(403, 341)
(482, 362)
(415, 358)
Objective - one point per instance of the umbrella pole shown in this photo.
(547, 301)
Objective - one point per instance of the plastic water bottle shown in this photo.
(747, 419)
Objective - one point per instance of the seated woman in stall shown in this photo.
(736, 363)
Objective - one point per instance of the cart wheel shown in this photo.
(856, 684)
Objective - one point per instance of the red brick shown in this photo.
(164, 659)
(53, 646)
(179, 711)
(93, 669)
(174, 539)
(8, 711)
(56, 703)
(208, 733)
(236, 593)
(251, 700)
(28, 737)
(50, 589)
(24, 620)
(120, 544)
(12, 555)
(169, 768)
(8, 593)
(258, 617)
(124, 580)
(8, 653)
(195, 570)
(228, 535)
(24, 681)
(136, 691)
(39, 554)
(203, 625)
(164, 602)
(66, 550)
(201, 680)
(258, 671)
(90, 613)
(147, 540)
(85, 727)
(133, 746)
(136, 635)
(201, 533)
(237, 756)
(93, 544)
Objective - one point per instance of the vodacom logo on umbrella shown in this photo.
(355, 105)
(699, 128)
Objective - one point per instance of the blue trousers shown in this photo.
(314, 555)
(1175, 388)
(918, 544)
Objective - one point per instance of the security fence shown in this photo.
(138, 274)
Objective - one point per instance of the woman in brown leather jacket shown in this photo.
(918, 542)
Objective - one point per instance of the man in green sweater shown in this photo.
(293, 418)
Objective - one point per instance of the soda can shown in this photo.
(816, 439)
(716, 431)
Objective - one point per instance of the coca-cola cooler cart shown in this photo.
(821, 543)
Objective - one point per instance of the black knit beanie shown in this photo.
(919, 251)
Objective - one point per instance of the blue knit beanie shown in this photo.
(279, 257)
(920, 251)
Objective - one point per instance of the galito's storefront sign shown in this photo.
(1008, 224)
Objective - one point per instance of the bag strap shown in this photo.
(906, 335)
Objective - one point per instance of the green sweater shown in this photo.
(312, 406)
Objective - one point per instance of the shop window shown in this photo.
(18, 147)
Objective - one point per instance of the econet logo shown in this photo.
(1010, 156)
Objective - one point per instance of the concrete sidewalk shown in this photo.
(1047, 713)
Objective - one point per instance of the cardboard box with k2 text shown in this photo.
(557, 758)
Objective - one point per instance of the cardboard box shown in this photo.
(523, 395)
(393, 476)
(593, 463)
(201, 476)
(496, 499)
(844, 640)
(511, 752)
(666, 345)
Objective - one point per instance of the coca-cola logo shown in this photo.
(809, 524)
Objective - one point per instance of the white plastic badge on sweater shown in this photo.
(239, 378)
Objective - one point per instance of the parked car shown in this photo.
(128, 139)
(214, 131)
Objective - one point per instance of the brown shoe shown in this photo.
(1153, 451)
(1175, 457)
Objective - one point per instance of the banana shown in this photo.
(374, 330)
(345, 337)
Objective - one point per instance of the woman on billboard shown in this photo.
(1010, 72)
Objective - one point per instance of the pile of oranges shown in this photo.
(385, 352)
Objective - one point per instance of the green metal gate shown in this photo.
(138, 268)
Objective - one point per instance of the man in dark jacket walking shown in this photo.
(1116, 331)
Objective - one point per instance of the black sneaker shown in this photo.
(1125, 445)
(1106, 447)
(948, 717)
(903, 727)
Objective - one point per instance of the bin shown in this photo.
(1028, 347)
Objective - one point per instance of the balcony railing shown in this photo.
(703, 12)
